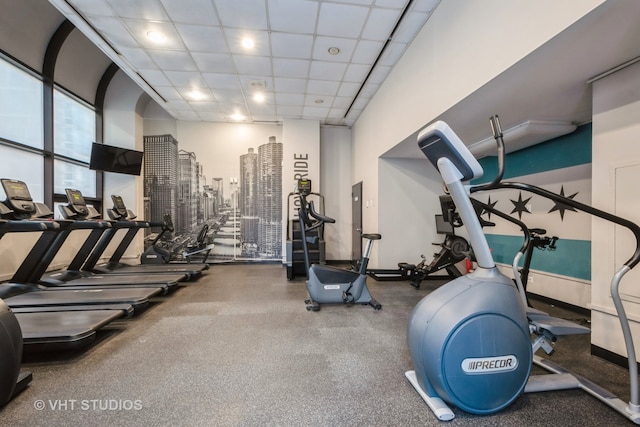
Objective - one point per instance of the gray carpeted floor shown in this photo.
(238, 348)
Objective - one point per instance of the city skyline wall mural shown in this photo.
(220, 181)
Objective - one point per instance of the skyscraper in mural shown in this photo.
(270, 199)
(187, 192)
(160, 177)
(248, 202)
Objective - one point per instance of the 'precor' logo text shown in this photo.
(488, 365)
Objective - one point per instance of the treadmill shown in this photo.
(33, 270)
(123, 218)
(21, 293)
(48, 328)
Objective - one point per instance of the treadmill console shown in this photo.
(119, 209)
(304, 187)
(77, 203)
(18, 198)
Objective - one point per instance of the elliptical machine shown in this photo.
(325, 284)
(469, 339)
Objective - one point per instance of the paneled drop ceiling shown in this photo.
(310, 59)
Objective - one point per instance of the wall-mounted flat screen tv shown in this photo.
(115, 159)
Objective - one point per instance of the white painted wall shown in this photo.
(123, 128)
(335, 185)
(463, 46)
(615, 177)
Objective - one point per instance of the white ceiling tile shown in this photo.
(380, 24)
(234, 41)
(211, 116)
(249, 14)
(342, 102)
(292, 37)
(252, 64)
(290, 85)
(284, 45)
(173, 60)
(139, 29)
(379, 74)
(240, 108)
(293, 16)
(392, 53)
(187, 115)
(168, 92)
(222, 81)
(322, 45)
(291, 67)
(185, 78)
(92, 7)
(348, 89)
(214, 62)
(410, 26)
(137, 57)
(356, 72)
(336, 113)
(317, 112)
(115, 31)
(290, 98)
(229, 96)
(391, 4)
(247, 80)
(425, 5)
(200, 38)
(323, 87)
(262, 109)
(208, 106)
(198, 12)
(320, 101)
(368, 90)
(341, 20)
(366, 52)
(148, 10)
(289, 110)
(181, 105)
(323, 70)
(359, 2)
(155, 77)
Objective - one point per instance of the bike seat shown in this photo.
(372, 236)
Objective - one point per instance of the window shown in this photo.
(25, 166)
(23, 154)
(20, 106)
(74, 133)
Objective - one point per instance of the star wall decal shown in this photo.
(520, 205)
(491, 205)
(561, 207)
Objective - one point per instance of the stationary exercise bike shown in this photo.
(470, 339)
(326, 284)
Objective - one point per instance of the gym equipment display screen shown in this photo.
(16, 190)
(115, 159)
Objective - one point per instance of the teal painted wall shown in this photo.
(572, 258)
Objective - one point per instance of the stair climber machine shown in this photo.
(326, 284)
(470, 340)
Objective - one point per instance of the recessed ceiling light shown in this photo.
(156, 36)
(247, 43)
(237, 117)
(196, 95)
(259, 97)
(334, 50)
(319, 101)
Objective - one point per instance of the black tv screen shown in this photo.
(115, 159)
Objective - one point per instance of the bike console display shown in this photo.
(304, 186)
